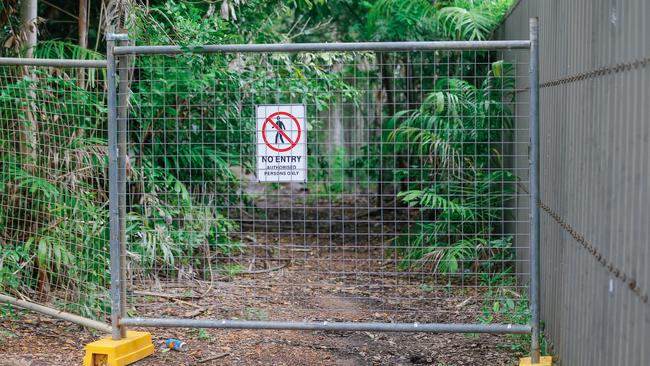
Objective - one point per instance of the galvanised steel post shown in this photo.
(329, 47)
(122, 110)
(330, 326)
(48, 62)
(113, 196)
(533, 75)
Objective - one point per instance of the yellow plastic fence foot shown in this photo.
(107, 352)
(543, 361)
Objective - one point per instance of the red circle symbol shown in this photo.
(292, 143)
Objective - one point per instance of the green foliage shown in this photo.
(66, 50)
(203, 334)
(401, 20)
(502, 305)
(54, 223)
(332, 21)
(448, 139)
(427, 20)
(181, 171)
(7, 311)
(4, 335)
(256, 314)
(58, 191)
(327, 174)
(471, 20)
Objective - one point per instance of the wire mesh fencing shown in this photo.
(340, 187)
(53, 185)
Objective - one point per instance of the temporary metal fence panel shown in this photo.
(403, 220)
(54, 188)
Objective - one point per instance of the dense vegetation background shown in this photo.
(53, 158)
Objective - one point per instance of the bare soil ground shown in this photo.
(38, 341)
(322, 271)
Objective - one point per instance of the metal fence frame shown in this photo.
(73, 318)
(117, 51)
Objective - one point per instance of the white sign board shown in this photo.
(281, 143)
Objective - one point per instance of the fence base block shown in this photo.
(106, 351)
(543, 361)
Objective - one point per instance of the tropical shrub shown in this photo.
(451, 142)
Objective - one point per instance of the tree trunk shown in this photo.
(83, 23)
(411, 104)
(27, 129)
(336, 137)
(387, 99)
(28, 30)
(83, 37)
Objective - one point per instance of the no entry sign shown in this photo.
(281, 143)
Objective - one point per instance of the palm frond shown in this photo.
(398, 19)
(66, 50)
(474, 24)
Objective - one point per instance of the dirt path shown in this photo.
(312, 263)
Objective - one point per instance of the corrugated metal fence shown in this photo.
(595, 176)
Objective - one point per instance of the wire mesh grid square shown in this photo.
(54, 188)
(414, 204)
